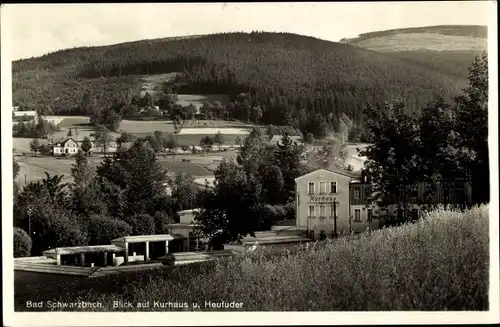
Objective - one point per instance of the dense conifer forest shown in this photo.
(296, 80)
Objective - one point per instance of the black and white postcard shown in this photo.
(250, 163)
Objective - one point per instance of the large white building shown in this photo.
(334, 201)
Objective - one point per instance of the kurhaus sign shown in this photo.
(319, 198)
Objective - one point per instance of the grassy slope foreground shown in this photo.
(439, 263)
(448, 48)
(287, 74)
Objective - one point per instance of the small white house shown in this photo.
(68, 147)
(30, 115)
(277, 139)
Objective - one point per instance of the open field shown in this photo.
(74, 121)
(215, 130)
(140, 128)
(419, 41)
(439, 263)
(178, 166)
(67, 120)
(34, 168)
(21, 144)
(198, 100)
(150, 83)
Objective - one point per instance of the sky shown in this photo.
(38, 29)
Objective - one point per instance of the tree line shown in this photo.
(446, 141)
(31, 129)
(253, 192)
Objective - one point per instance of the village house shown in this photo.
(277, 139)
(23, 115)
(68, 147)
(330, 202)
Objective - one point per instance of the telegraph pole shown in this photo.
(29, 221)
(335, 217)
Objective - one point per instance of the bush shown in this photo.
(102, 229)
(22, 243)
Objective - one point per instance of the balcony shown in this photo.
(311, 217)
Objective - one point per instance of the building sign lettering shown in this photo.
(319, 198)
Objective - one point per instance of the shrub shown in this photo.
(102, 229)
(22, 243)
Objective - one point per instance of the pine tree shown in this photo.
(86, 145)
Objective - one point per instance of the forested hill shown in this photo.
(294, 79)
(446, 48)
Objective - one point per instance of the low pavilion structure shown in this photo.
(147, 246)
(101, 255)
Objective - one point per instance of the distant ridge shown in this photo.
(446, 48)
(476, 31)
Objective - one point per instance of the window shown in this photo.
(357, 214)
(311, 211)
(369, 215)
(322, 187)
(311, 188)
(357, 193)
(332, 213)
(322, 211)
(333, 187)
(414, 192)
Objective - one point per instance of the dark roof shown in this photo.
(63, 143)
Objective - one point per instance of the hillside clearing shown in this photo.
(439, 263)
(198, 100)
(428, 41)
(151, 83)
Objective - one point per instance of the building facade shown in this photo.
(329, 201)
(322, 203)
(68, 147)
(184, 231)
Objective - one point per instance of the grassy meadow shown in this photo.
(439, 263)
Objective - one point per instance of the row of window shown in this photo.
(357, 190)
(322, 211)
(322, 188)
(357, 215)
